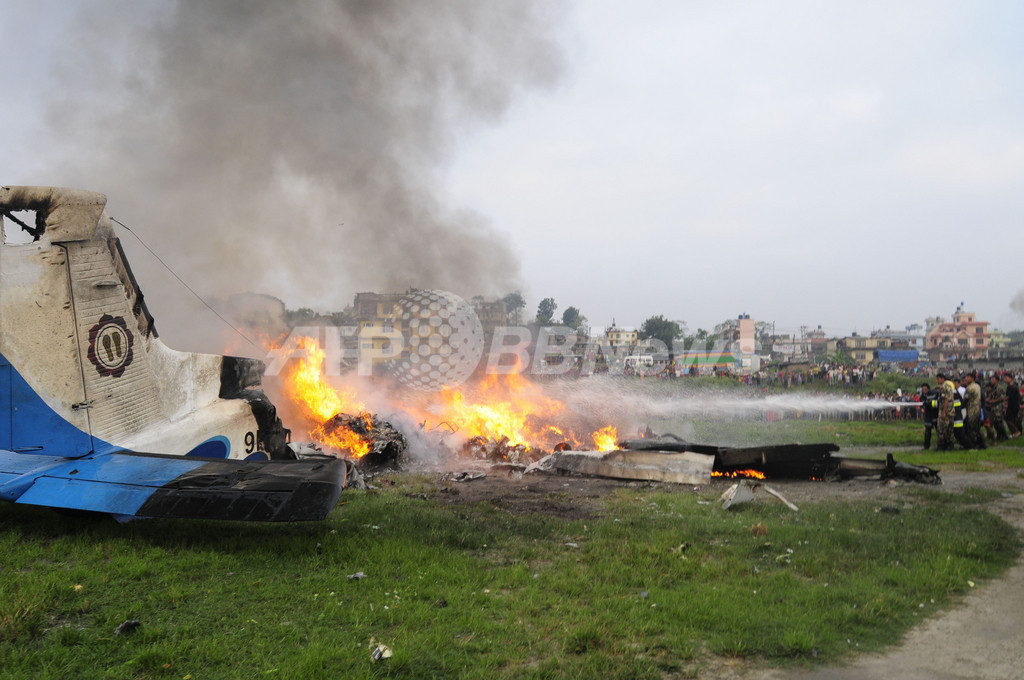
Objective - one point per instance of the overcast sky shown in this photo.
(848, 164)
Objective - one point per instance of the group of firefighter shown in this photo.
(963, 412)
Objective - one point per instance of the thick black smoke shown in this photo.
(296, 148)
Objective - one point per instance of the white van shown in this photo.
(639, 361)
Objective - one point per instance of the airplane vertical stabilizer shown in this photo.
(77, 333)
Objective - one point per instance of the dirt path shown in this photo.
(980, 638)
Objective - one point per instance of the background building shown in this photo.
(963, 338)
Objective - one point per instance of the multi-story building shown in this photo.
(377, 306)
(618, 337)
(963, 338)
(862, 350)
(491, 314)
(817, 343)
(379, 320)
(744, 345)
(911, 338)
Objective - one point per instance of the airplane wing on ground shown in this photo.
(127, 484)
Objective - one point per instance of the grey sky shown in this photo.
(850, 164)
(847, 164)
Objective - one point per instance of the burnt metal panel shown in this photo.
(800, 461)
(263, 491)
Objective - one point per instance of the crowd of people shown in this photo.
(973, 411)
(831, 373)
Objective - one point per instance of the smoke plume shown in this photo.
(1017, 304)
(296, 149)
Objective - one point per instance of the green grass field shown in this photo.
(654, 586)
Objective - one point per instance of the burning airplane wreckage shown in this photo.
(101, 416)
(657, 458)
(510, 425)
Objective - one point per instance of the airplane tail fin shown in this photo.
(80, 358)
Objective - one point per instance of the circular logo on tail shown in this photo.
(110, 346)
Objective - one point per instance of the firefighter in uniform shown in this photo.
(997, 407)
(972, 400)
(944, 424)
(1012, 406)
(959, 413)
(930, 410)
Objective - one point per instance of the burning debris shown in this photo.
(505, 419)
(507, 422)
(513, 412)
(501, 451)
(379, 442)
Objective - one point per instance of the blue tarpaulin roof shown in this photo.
(896, 356)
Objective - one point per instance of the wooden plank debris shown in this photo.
(657, 466)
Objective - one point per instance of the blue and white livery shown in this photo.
(86, 386)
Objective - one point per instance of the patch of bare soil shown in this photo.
(577, 497)
(544, 493)
(979, 638)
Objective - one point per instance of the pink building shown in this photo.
(963, 338)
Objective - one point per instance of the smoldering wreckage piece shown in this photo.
(499, 452)
(671, 459)
(668, 458)
(789, 461)
(387, 445)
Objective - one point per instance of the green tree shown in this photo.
(514, 304)
(572, 318)
(726, 327)
(704, 339)
(303, 316)
(546, 310)
(763, 332)
(660, 328)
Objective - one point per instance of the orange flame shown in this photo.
(501, 407)
(510, 406)
(606, 439)
(321, 402)
(736, 474)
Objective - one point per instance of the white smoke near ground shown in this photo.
(666, 406)
(640, 400)
(636, 408)
(296, 149)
